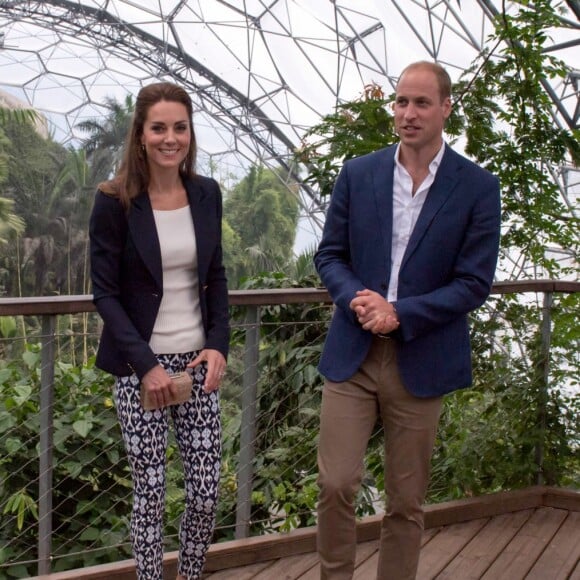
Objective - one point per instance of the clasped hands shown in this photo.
(158, 383)
(374, 313)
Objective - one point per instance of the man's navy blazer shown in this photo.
(447, 270)
(127, 275)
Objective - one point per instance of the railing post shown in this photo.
(544, 372)
(46, 444)
(248, 424)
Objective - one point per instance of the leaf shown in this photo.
(12, 445)
(90, 534)
(82, 427)
(7, 422)
(7, 326)
(31, 359)
(22, 394)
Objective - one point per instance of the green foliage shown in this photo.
(288, 401)
(51, 189)
(260, 218)
(355, 128)
(18, 115)
(106, 138)
(510, 128)
(52, 201)
(510, 430)
(91, 492)
(10, 223)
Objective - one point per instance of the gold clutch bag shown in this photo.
(180, 392)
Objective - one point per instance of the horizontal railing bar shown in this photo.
(74, 304)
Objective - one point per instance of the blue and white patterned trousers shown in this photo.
(198, 433)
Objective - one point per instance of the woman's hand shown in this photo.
(158, 386)
(216, 367)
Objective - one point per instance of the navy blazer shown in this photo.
(447, 270)
(127, 275)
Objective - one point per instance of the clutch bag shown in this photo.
(180, 392)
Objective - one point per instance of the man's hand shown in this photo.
(374, 313)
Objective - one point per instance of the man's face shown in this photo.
(419, 112)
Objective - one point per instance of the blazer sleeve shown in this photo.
(108, 234)
(472, 265)
(333, 257)
(215, 288)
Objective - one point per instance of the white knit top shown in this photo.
(178, 327)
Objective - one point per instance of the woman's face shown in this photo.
(166, 135)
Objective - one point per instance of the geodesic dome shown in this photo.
(260, 71)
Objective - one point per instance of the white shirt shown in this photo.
(406, 210)
(178, 327)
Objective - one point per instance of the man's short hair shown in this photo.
(443, 78)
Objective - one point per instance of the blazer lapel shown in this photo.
(202, 225)
(445, 182)
(382, 180)
(144, 235)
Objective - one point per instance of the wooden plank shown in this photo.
(83, 303)
(368, 568)
(566, 499)
(242, 573)
(445, 546)
(522, 552)
(477, 556)
(363, 552)
(428, 535)
(576, 574)
(260, 548)
(464, 510)
(289, 568)
(485, 506)
(271, 547)
(562, 554)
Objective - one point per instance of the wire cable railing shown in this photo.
(65, 489)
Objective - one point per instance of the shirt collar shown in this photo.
(433, 166)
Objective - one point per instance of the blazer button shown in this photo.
(155, 295)
(384, 287)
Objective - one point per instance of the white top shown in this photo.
(406, 210)
(178, 327)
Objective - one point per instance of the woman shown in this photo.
(159, 285)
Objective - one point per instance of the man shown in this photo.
(409, 248)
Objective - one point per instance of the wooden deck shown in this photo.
(532, 534)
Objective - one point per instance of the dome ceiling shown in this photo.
(260, 71)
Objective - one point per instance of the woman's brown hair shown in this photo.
(133, 175)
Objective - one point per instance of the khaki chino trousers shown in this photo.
(350, 410)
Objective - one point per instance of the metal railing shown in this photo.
(259, 342)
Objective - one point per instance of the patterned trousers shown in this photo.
(198, 433)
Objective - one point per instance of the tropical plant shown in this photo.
(17, 115)
(356, 127)
(509, 127)
(105, 143)
(51, 189)
(287, 413)
(10, 223)
(260, 219)
(91, 493)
